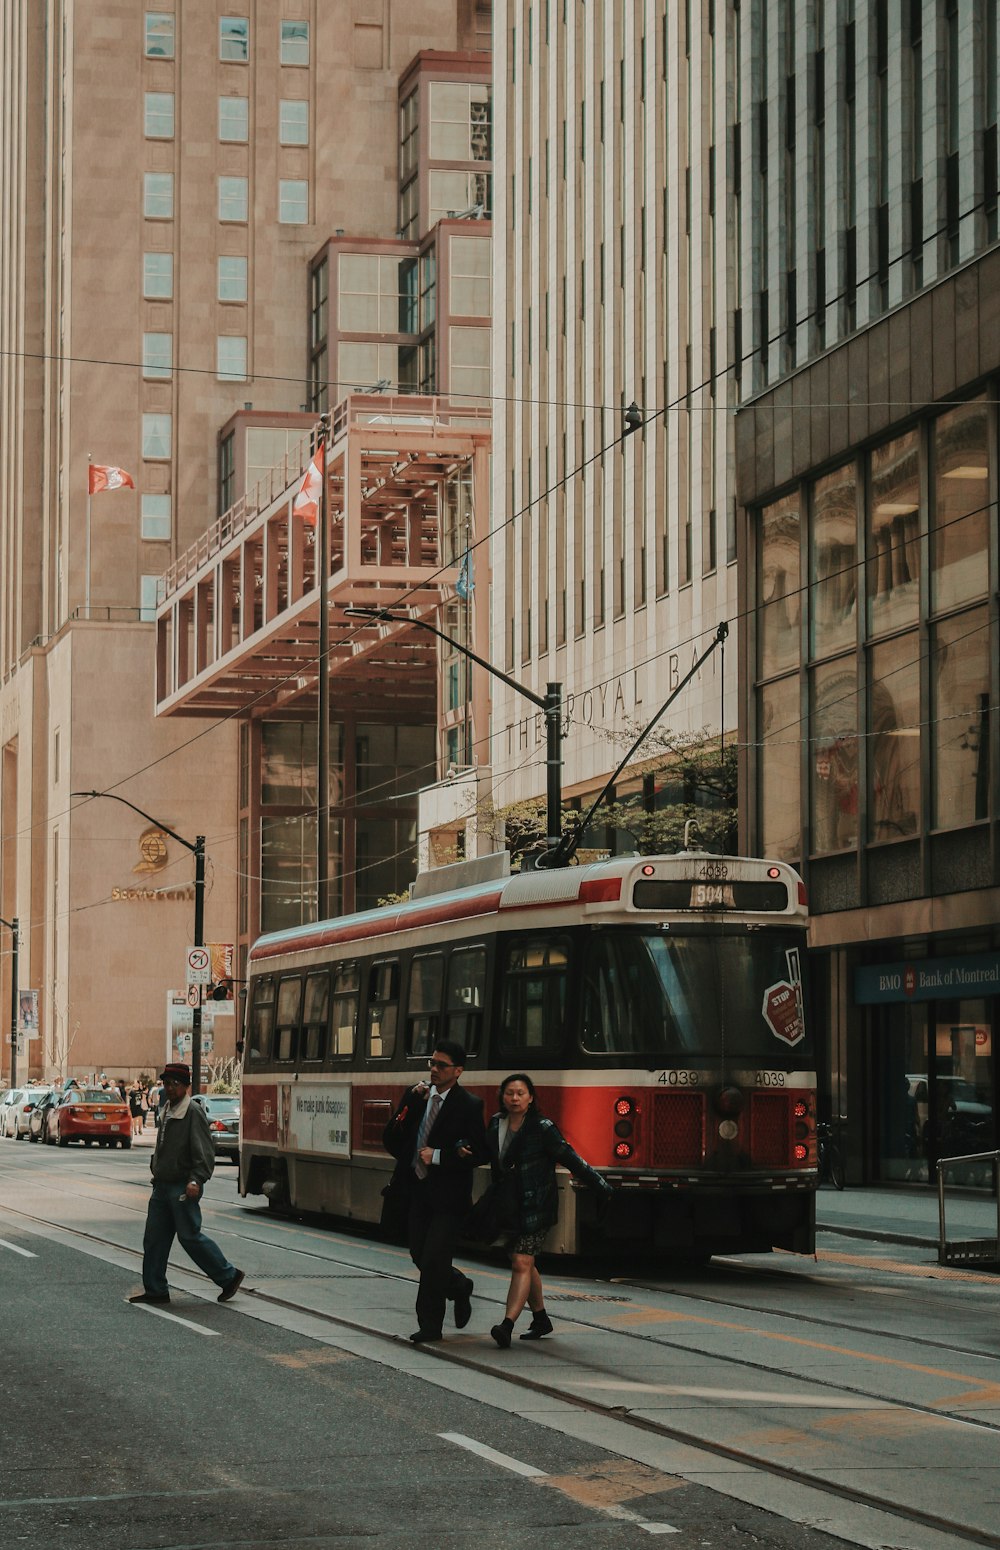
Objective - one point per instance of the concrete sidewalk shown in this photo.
(905, 1215)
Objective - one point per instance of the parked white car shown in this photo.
(17, 1112)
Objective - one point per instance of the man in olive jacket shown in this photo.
(182, 1163)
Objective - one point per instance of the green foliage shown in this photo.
(693, 780)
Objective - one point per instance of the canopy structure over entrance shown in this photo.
(237, 616)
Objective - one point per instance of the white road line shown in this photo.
(4, 1244)
(144, 1307)
(503, 1459)
(620, 1514)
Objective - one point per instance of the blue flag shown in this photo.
(465, 585)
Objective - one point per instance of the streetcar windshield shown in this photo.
(664, 994)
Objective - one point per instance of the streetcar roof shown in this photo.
(597, 884)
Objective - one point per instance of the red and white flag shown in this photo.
(103, 477)
(306, 503)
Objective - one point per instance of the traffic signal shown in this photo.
(221, 990)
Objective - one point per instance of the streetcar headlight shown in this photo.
(623, 1127)
(729, 1130)
(801, 1130)
(729, 1101)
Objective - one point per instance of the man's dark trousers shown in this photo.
(433, 1238)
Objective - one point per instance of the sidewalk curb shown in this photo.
(878, 1236)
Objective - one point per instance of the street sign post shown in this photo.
(199, 966)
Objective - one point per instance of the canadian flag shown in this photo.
(107, 478)
(306, 503)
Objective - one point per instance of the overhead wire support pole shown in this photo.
(323, 690)
(14, 929)
(197, 849)
(567, 847)
(550, 704)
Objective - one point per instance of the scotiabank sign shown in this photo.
(928, 979)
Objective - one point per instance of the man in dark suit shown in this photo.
(437, 1137)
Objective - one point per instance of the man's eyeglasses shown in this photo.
(441, 1065)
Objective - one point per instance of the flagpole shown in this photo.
(323, 709)
(90, 459)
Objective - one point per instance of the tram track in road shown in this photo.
(619, 1297)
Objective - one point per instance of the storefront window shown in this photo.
(962, 1109)
(960, 721)
(901, 1086)
(894, 746)
(834, 576)
(778, 772)
(959, 540)
(778, 582)
(893, 535)
(833, 747)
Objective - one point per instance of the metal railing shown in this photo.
(980, 1251)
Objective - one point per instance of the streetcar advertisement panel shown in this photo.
(315, 1117)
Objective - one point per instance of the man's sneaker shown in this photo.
(152, 1297)
(233, 1287)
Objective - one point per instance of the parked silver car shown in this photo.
(223, 1121)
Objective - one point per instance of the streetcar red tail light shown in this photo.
(624, 1106)
(800, 1110)
(600, 890)
(774, 871)
(800, 1152)
(649, 871)
(623, 1150)
(803, 896)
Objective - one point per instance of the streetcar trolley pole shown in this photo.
(12, 927)
(197, 849)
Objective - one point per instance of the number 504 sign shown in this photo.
(199, 966)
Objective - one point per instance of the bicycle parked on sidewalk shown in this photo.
(829, 1157)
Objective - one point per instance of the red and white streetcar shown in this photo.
(658, 1003)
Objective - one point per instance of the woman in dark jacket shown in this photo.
(524, 1150)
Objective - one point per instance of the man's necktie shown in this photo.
(426, 1126)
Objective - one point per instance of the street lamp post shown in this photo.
(550, 704)
(197, 848)
(12, 927)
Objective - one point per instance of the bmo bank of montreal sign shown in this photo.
(928, 979)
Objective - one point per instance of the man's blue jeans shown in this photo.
(172, 1215)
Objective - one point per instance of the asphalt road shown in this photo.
(287, 1418)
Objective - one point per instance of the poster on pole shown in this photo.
(27, 1015)
(222, 956)
(180, 1026)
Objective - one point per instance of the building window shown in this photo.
(959, 542)
(227, 472)
(293, 201)
(159, 115)
(234, 194)
(456, 192)
(158, 196)
(833, 755)
(960, 719)
(892, 538)
(460, 121)
(158, 276)
(157, 355)
(159, 35)
(361, 367)
(778, 584)
(234, 118)
(894, 738)
(469, 373)
(231, 358)
(156, 517)
(232, 279)
(778, 723)
(470, 276)
(156, 435)
(295, 43)
(234, 38)
(834, 551)
(369, 293)
(319, 290)
(293, 122)
(408, 138)
(148, 586)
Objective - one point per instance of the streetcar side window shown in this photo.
(346, 994)
(535, 978)
(466, 996)
(423, 1011)
(315, 1014)
(286, 1031)
(262, 1019)
(383, 1009)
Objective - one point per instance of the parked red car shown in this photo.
(88, 1114)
